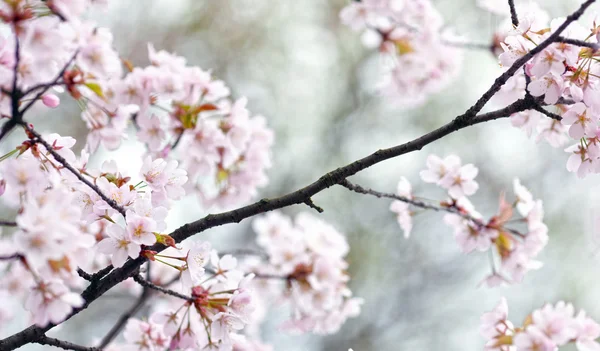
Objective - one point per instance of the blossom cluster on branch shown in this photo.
(79, 231)
(544, 329)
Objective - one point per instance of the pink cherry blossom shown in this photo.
(140, 229)
(119, 245)
(461, 182)
(51, 302)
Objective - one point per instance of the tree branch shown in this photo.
(359, 189)
(420, 204)
(65, 345)
(470, 117)
(8, 224)
(131, 267)
(146, 284)
(513, 13)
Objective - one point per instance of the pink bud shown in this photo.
(50, 100)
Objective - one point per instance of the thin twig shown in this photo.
(309, 202)
(8, 224)
(145, 283)
(65, 345)
(453, 210)
(359, 189)
(112, 203)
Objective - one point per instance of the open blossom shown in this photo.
(140, 229)
(51, 302)
(152, 131)
(582, 121)
(451, 175)
(461, 182)
(438, 168)
(547, 329)
(119, 245)
(410, 36)
(319, 297)
(197, 257)
(164, 176)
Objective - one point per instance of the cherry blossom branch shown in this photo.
(594, 46)
(8, 224)
(359, 189)
(120, 324)
(65, 345)
(513, 13)
(421, 204)
(131, 267)
(146, 284)
(470, 117)
(61, 160)
(499, 82)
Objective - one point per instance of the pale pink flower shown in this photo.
(551, 86)
(533, 340)
(140, 229)
(198, 256)
(494, 323)
(437, 168)
(556, 322)
(151, 132)
(51, 302)
(581, 120)
(461, 182)
(119, 245)
(524, 198)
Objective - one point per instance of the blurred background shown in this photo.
(312, 79)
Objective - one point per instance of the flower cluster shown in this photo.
(309, 255)
(60, 219)
(545, 329)
(183, 108)
(514, 249)
(562, 71)
(409, 35)
(198, 139)
(214, 304)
